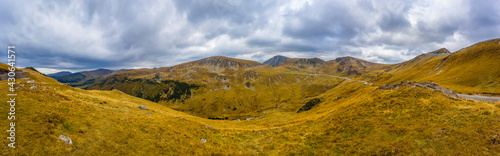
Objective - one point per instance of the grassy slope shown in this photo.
(471, 70)
(407, 121)
(250, 91)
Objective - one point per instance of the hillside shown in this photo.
(352, 67)
(470, 70)
(351, 119)
(276, 60)
(226, 93)
(221, 82)
(304, 63)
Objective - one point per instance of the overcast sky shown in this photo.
(54, 35)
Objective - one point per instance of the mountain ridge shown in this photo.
(346, 118)
(59, 74)
(221, 62)
(275, 60)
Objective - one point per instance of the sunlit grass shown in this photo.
(406, 121)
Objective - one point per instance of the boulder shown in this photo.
(143, 107)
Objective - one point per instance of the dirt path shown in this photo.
(474, 97)
(481, 98)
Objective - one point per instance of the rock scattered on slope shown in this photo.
(203, 140)
(65, 139)
(427, 85)
(117, 90)
(143, 107)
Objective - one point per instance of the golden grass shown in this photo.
(352, 120)
(473, 70)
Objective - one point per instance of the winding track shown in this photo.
(474, 97)
(481, 98)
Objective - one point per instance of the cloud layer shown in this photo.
(80, 35)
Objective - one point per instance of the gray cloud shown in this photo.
(116, 34)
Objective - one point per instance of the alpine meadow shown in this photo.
(250, 77)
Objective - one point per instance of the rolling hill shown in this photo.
(226, 106)
(85, 77)
(218, 87)
(471, 70)
(59, 74)
(214, 87)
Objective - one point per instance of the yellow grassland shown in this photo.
(353, 119)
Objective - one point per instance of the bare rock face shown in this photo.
(65, 139)
(427, 85)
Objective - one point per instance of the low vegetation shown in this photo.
(353, 119)
(224, 106)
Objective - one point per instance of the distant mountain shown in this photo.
(276, 60)
(352, 66)
(351, 61)
(82, 78)
(220, 62)
(303, 63)
(97, 73)
(59, 74)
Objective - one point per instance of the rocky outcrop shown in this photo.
(18, 74)
(143, 107)
(310, 104)
(427, 85)
(65, 139)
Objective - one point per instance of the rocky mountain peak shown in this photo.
(276, 60)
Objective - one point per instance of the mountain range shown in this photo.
(284, 106)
